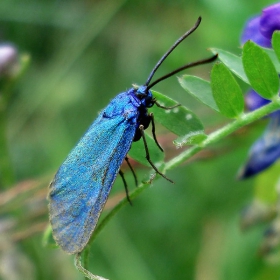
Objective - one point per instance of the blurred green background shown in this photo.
(82, 54)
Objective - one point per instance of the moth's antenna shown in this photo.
(189, 65)
(171, 49)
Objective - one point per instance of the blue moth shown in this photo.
(83, 182)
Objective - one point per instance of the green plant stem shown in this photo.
(85, 272)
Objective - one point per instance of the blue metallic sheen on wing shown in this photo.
(83, 182)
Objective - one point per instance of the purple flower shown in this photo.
(260, 29)
(252, 32)
(266, 150)
(254, 101)
(270, 20)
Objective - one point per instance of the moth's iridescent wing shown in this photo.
(83, 182)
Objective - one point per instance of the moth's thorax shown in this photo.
(144, 96)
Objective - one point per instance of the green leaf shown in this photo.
(138, 152)
(276, 44)
(200, 89)
(272, 55)
(180, 120)
(233, 62)
(226, 91)
(190, 139)
(260, 70)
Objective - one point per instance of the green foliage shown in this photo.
(260, 70)
(259, 65)
(233, 62)
(200, 89)
(226, 91)
(191, 138)
(272, 55)
(179, 120)
(276, 43)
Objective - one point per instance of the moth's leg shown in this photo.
(132, 170)
(125, 187)
(151, 116)
(141, 128)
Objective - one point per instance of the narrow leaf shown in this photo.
(200, 89)
(233, 62)
(179, 120)
(276, 44)
(260, 70)
(226, 91)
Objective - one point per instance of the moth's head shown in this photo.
(144, 95)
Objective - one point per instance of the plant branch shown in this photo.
(217, 135)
